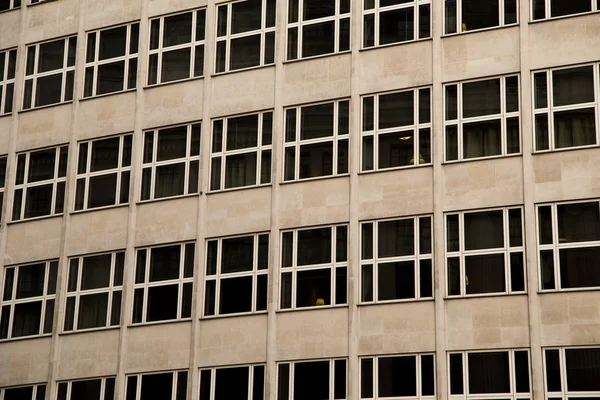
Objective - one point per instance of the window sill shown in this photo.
(471, 160)
(388, 45)
(90, 330)
(100, 96)
(549, 19)
(315, 179)
(398, 301)
(20, 221)
(562, 150)
(237, 189)
(39, 3)
(157, 85)
(491, 28)
(216, 74)
(290, 310)
(183, 196)
(407, 168)
(574, 290)
(10, 9)
(44, 107)
(154, 323)
(483, 295)
(45, 335)
(6, 115)
(88, 210)
(226, 316)
(339, 53)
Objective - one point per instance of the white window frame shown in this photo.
(67, 71)
(291, 365)
(459, 23)
(507, 250)
(6, 82)
(194, 46)
(415, 258)
(181, 281)
(548, 10)
(138, 378)
(556, 246)
(213, 374)
(564, 394)
(121, 170)
(503, 116)
(111, 289)
(513, 395)
(228, 37)
(220, 157)
(12, 6)
(129, 59)
(418, 368)
(415, 129)
(219, 276)
(3, 164)
(300, 23)
(297, 143)
(69, 385)
(550, 109)
(56, 181)
(45, 298)
(39, 1)
(34, 389)
(376, 13)
(154, 164)
(295, 268)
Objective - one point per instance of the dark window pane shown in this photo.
(314, 9)
(209, 297)
(26, 319)
(553, 380)
(479, 14)
(426, 278)
(110, 77)
(170, 180)
(396, 26)
(157, 386)
(451, 143)
(112, 43)
(485, 274)
(489, 372)
(424, 21)
(316, 121)
(246, 16)
(396, 280)
(96, 272)
(175, 65)
(93, 310)
(339, 382)
(237, 254)
(235, 295)
(177, 29)
(115, 316)
(283, 381)
(482, 139)
(172, 143)
(313, 288)
(366, 378)
(341, 285)
(367, 241)
(517, 273)
(397, 376)
(484, 230)
(574, 128)
(286, 290)
(224, 379)
(578, 222)
(318, 39)
(579, 267)
(30, 281)
(559, 8)
(396, 149)
(211, 257)
(545, 224)
(483, 97)
(240, 170)
(314, 246)
(427, 375)
(162, 303)
(89, 389)
(48, 91)
(522, 371)
(131, 387)
(242, 132)
(102, 190)
(261, 292)
(21, 393)
(451, 102)
(316, 160)
(547, 269)
(287, 249)
(244, 52)
(396, 238)
(258, 384)
(205, 378)
(311, 380)
(396, 109)
(540, 80)
(164, 263)
(51, 56)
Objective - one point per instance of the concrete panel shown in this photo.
(396, 67)
(396, 328)
(478, 54)
(312, 334)
(24, 361)
(566, 175)
(486, 183)
(44, 127)
(97, 231)
(88, 354)
(158, 347)
(51, 19)
(570, 318)
(487, 322)
(231, 213)
(5, 131)
(173, 103)
(243, 92)
(9, 24)
(166, 221)
(111, 12)
(106, 115)
(395, 193)
(45, 233)
(316, 80)
(159, 7)
(564, 41)
(238, 340)
(314, 202)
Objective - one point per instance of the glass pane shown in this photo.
(396, 26)
(175, 65)
(574, 128)
(224, 377)
(165, 263)
(316, 121)
(552, 368)
(479, 14)
(246, 16)
(547, 269)
(396, 238)
(396, 149)
(573, 86)
(578, 222)
(316, 160)
(483, 97)
(170, 180)
(397, 376)
(451, 143)
(318, 39)
(30, 282)
(93, 310)
(51, 56)
(366, 378)
(579, 267)
(484, 230)
(96, 272)
(162, 303)
(235, 295)
(240, 170)
(314, 246)
(396, 280)
(396, 109)
(177, 29)
(244, 51)
(311, 380)
(237, 254)
(559, 8)
(485, 274)
(489, 372)
(313, 288)
(112, 43)
(242, 132)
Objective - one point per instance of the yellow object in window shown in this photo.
(320, 302)
(467, 280)
(464, 27)
(421, 160)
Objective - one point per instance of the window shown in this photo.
(176, 47)
(472, 15)
(245, 34)
(396, 260)
(103, 173)
(395, 127)
(28, 300)
(111, 60)
(498, 374)
(170, 162)
(40, 183)
(236, 275)
(50, 72)
(31, 392)
(314, 264)
(388, 22)
(9, 4)
(94, 291)
(482, 118)
(169, 385)
(89, 389)
(2, 181)
(241, 146)
(236, 382)
(566, 107)
(572, 373)
(569, 245)
(319, 379)
(484, 252)
(8, 62)
(317, 27)
(407, 376)
(163, 283)
(542, 9)
(316, 140)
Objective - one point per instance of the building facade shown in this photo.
(300, 199)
